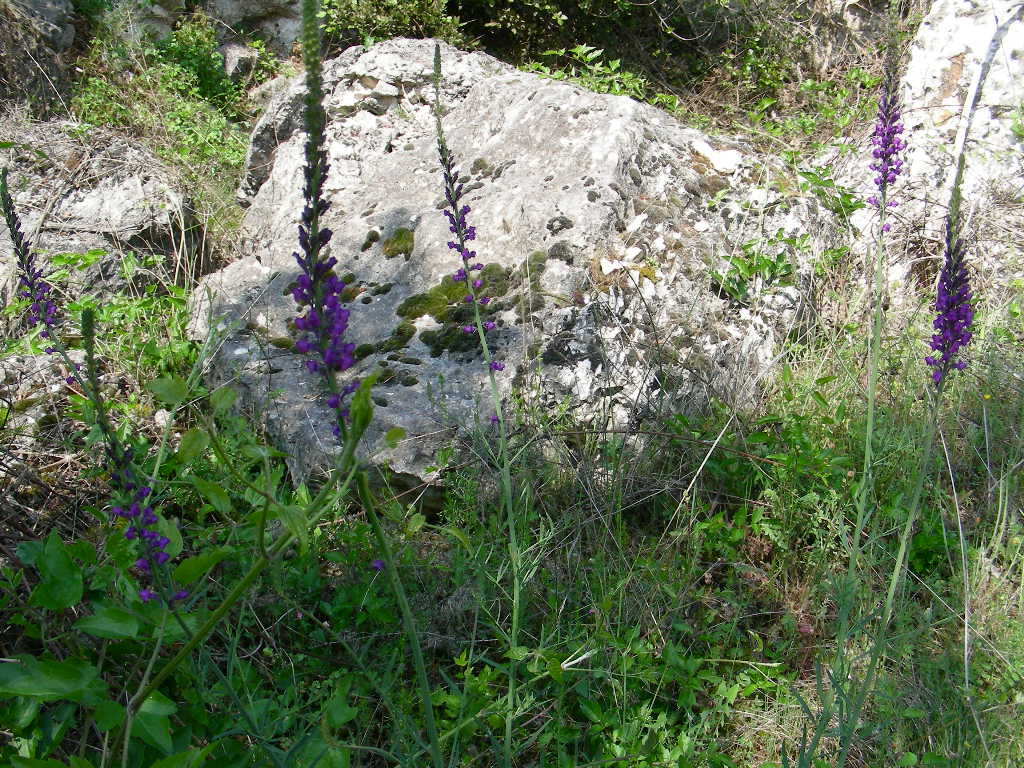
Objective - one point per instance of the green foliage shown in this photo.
(192, 66)
(1017, 124)
(175, 96)
(758, 269)
(586, 67)
(364, 21)
(522, 28)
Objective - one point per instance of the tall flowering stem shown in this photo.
(318, 291)
(887, 143)
(456, 215)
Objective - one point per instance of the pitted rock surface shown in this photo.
(602, 220)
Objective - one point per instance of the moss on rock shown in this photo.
(399, 244)
(400, 338)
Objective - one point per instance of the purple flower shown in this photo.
(377, 565)
(132, 507)
(886, 139)
(456, 213)
(146, 594)
(953, 309)
(33, 285)
(317, 289)
(496, 366)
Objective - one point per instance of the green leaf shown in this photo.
(517, 652)
(79, 762)
(213, 493)
(169, 389)
(61, 584)
(187, 759)
(294, 519)
(415, 522)
(111, 622)
(338, 710)
(592, 711)
(72, 679)
(108, 714)
(393, 435)
(193, 443)
(908, 758)
(32, 762)
(29, 551)
(82, 550)
(193, 568)
(151, 723)
(169, 528)
(222, 399)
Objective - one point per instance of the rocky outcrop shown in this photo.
(606, 227)
(35, 36)
(102, 195)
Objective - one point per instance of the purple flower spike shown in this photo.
(954, 311)
(496, 366)
(146, 595)
(456, 215)
(31, 281)
(886, 138)
(377, 565)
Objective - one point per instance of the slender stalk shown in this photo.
(408, 622)
(849, 723)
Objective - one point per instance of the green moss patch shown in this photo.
(399, 244)
(445, 300)
(400, 338)
(364, 350)
(371, 237)
(451, 339)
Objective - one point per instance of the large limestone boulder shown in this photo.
(601, 221)
(101, 194)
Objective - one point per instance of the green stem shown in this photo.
(363, 487)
